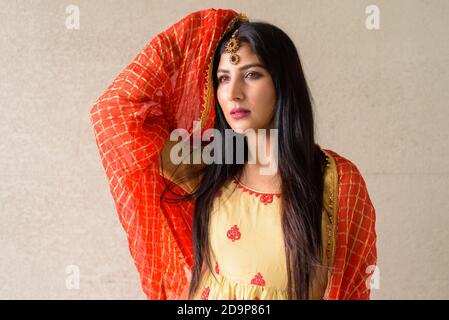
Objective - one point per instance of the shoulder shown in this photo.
(352, 199)
(355, 210)
(347, 170)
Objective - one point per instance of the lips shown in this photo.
(239, 112)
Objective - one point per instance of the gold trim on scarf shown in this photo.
(321, 281)
(329, 220)
(209, 80)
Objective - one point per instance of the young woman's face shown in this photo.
(246, 85)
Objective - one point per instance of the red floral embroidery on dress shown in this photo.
(258, 280)
(234, 233)
(217, 270)
(205, 294)
(265, 198)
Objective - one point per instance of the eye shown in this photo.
(253, 75)
(222, 78)
(250, 75)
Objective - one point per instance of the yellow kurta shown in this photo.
(247, 247)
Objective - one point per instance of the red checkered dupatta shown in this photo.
(168, 85)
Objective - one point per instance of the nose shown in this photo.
(235, 90)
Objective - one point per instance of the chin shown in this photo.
(240, 130)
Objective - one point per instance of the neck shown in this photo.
(263, 152)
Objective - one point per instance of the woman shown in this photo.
(306, 231)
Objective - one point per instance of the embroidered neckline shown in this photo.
(265, 197)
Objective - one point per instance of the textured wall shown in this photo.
(381, 101)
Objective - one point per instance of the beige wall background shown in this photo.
(381, 101)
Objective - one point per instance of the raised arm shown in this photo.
(162, 89)
(128, 118)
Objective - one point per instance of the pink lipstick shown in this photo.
(239, 113)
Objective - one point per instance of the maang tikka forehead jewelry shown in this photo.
(232, 46)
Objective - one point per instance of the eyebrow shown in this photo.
(245, 67)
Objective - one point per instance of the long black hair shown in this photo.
(300, 162)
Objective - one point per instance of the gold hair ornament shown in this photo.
(232, 46)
